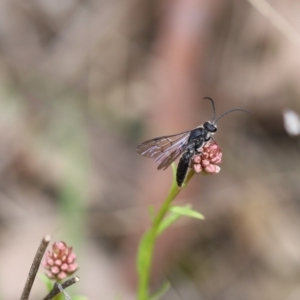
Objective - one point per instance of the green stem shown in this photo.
(151, 234)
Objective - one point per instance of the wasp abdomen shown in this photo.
(183, 167)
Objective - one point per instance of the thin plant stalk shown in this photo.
(58, 288)
(151, 235)
(35, 266)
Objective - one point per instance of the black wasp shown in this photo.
(165, 149)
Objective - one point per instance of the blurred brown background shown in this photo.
(82, 83)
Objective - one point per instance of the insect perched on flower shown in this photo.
(166, 149)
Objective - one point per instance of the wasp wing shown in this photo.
(164, 149)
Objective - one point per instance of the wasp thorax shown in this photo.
(210, 127)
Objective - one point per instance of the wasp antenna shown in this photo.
(230, 111)
(213, 106)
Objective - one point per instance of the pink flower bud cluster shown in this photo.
(60, 262)
(207, 161)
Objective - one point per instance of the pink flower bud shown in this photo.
(207, 161)
(60, 262)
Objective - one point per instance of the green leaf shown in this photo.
(143, 252)
(186, 211)
(160, 292)
(167, 222)
(48, 282)
(175, 213)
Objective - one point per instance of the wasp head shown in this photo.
(210, 127)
